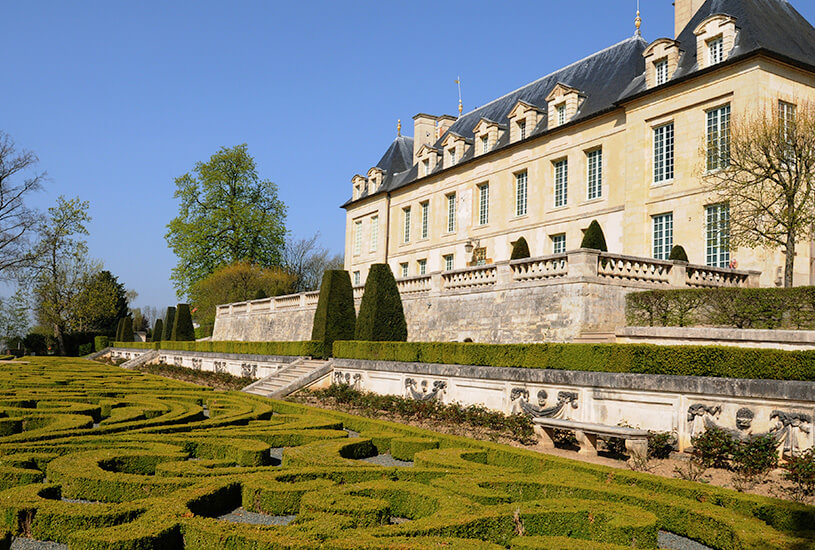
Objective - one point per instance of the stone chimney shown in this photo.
(445, 121)
(424, 132)
(684, 10)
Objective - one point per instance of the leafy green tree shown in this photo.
(236, 283)
(183, 330)
(520, 249)
(158, 329)
(335, 317)
(227, 214)
(169, 319)
(381, 315)
(63, 268)
(593, 238)
(101, 301)
(14, 317)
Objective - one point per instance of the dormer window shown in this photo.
(715, 38)
(485, 144)
(523, 118)
(561, 114)
(661, 71)
(522, 130)
(452, 156)
(426, 167)
(715, 51)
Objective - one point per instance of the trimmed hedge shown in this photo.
(520, 249)
(764, 308)
(183, 330)
(169, 319)
(101, 342)
(127, 330)
(158, 329)
(593, 238)
(296, 349)
(381, 315)
(678, 253)
(721, 362)
(335, 317)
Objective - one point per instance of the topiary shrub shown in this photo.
(594, 238)
(381, 316)
(119, 326)
(169, 319)
(183, 330)
(127, 330)
(335, 318)
(520, 250)
(260, 294)
(85, 349)
(158, 330)
(101, 342)
(678, 253)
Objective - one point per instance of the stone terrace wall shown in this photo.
(553, 298)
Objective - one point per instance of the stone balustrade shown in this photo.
(539, 269)
(412, 285)
(470, 278)
(634, 269)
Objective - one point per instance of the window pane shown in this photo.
(520, 194)
(561, 182)
(559, 243)
(448, 262)
(484, 204)
(406, 230)
(717, 239)
(664, 153)
(594, 163)
(425, 212)
(663, 235)
(357, 237)
(718, 138)
(451, 212)
(374, 232)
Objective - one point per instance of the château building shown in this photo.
(622, 136)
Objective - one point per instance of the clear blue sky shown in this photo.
(119, 98)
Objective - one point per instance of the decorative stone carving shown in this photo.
(220, 366)
(787, 429)
(197, 363)
(701, 417)
(424, 395)
(345, 379)
(249, 370)
(564, 398)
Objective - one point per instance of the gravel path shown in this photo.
(239, 515)
(351, 433)
(386, 460)
(29, 544)
(277, 456)
(669, 541)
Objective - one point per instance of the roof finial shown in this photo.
(399, 127)
(460, 105)
(638, 20)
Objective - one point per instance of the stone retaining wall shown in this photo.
(748, 338)
(683, 405)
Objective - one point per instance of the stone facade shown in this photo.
(682, 405)
(549, 299)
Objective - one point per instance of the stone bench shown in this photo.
(636, 441)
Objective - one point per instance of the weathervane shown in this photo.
(460, 105)
(638, 20)
(399, 127)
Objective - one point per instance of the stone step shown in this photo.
(595, 338)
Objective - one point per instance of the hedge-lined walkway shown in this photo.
(117, 446)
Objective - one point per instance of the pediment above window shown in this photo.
(563, 104)
(523, 118)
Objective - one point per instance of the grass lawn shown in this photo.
(98, 457)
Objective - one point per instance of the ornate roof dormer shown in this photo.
(523, 118)
(715, 38)
(453, 146)
(375, 177)
(360, 186)
(563, 103)
(487, 133)
(428, 158)
(661, 61)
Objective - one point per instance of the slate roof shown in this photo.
(618, 73)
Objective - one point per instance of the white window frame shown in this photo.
(521, 130)
(558, 243)
(426, 167)
(357, 278)
(661, 71)
(485, 144)
(357, 238)
(449, 262)
(786, 116)
(560, 114)
(521, 193)
(594, 174)
(561, 179)
(718, 137)
(484, 204)
(715, 51)
(451, 153)
(451, 213)
(422, 265)
(717, 235)
(374, 233)
(406, 224)
(404, 269)
(664, 152)
(425, 206)
(662, 235)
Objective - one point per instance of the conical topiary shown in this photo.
(260, 294)
(127, 329)
(678, 253)
(335, 318)
(381, 316)
(169, 319)
(183, 330)
(119, 326)
(158, 329)
(520, 250)
(593, 238)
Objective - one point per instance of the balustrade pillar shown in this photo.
(678, 277)
(583, 263)
(503, 274)
(435, 282)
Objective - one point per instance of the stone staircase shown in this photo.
(595, 338)
(142, 359)
(291, 378)
(98, 354)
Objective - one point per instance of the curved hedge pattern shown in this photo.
(103, 458)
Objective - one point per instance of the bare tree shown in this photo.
(18, 179)
(767, 177)
(308, 260)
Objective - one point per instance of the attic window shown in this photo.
(485, 144)
(661, 71)
(452, 154)
(522, 130)
(560, 111)
(426, 167)
(715, 51)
